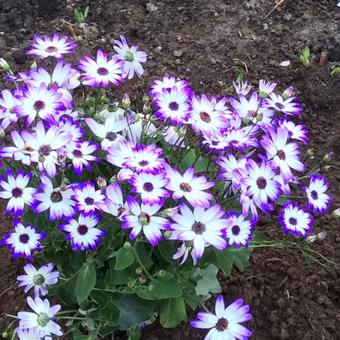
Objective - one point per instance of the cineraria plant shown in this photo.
(130, 213)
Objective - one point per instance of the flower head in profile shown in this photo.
(39, 279)
(51, 46)
(318, 200)
(23, 240)
(225, 323)
(295, 220)
(16, 190)
(41, 319)
(131, 57)
(101, 72)
(143, 218)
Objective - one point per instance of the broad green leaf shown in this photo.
(225, 261)
(124, 258)
(188, 160)
(166, 287)
(208, 282)
(241, 257)
(144, 254)
(86, 281)
(172, 312)
(66, 292)
(110, 313)
(233, 256)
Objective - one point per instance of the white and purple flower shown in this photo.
(239, 230)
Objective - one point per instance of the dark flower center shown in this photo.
(51, 49)
(89, 200)
(45, 150)
(261, 182)
(24, 238)
(252, 113)
(38, 279)
(56, 197)
(82, 229)
(281, 154)
(222, 324)
(198, 228)
(293, 221)
(314, 195)
(111, 136)
(77, 153)
(173, 106)
(235, 230)
(39, 105)
(102, 71)
(144, 218)
(148, 187)
(279, 106)
(205, 117)
(143, 163)
(17, 192)
(185, 187)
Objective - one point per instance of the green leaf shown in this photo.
(86, 281)
(225, 261)
(208, 282)
(172, 312)
(124, 258)
(241, 257)
(110, 313)
(133, 310)
(66, 292)
(188, 160)
(232, 256)
(166, 287)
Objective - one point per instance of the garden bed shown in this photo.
(210, 43)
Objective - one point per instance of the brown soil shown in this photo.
(209, 43)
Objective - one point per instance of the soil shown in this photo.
(210, 43)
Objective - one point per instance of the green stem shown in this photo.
(141, 263)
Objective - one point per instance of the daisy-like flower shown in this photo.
(175, 135)
(72, 127)
(166, 84)
(146, 158)
(82, 232)
(29, 334)
(205, 117)
(173, 105)
(24, 240)
(131, 57)
(189, 186)
(102, 71)
(318, 200)
(142, 218)
(55, 46)
(260, 184)
(16, 191)
(41, 320)
(57, 200)
(110, 131)
(114, 203)
(8, 105)
(266, 87)
(202, 227)
(242, 87)
(287, 106)
(239, 230)
(298, 132)
(151, 187)
(225, 324)
(81, 155)
(39, 101)
(285, 156)
(246, 108)
(39, 279)
(87, 198)
(295, 220)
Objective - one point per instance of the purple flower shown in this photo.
(225, 324)
(246, 108)
(298, 132)
(102, 71)
(82, 232)
(287, 106)
(143, 218)
(114, 201)
(8, 105)
(242, 88)
(318, 200)
(202, 227)
(295, 220)
(166, 84)
(239, 230)
(189, 186)
(16, 191)
(266, 87)
(24, 240)
(131, 57)
(55, 46)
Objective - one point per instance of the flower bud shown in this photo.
(167, 234)
(312, 238)
(146, 98)
(169, 212)
(4, 335)
(126, 102)
(326, 168)
(328, 158)
(336, 213)
(322, 235)
(161, 273)
(139, 270)
(113, 179)
(142, 279)
(2, 133)
(4, 65)
(147, 108)
(101, 182)
(289, 92)
(310, 152)
(127, 245)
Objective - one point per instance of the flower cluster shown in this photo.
(191, 170)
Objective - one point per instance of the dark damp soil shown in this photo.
(210, 43)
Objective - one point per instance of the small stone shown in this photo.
(178, 53)
(284, 334)
(150, 7)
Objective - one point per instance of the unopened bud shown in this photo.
(167, 234)
(310, 152)
(326, 168)
(131, 284)
(146, 99)
(169, 212)
(127, 245)
(101, 182)
(312, 238)
(139, 270)
(2, 133)
(4, 65)
(142, 279)
(126, 103)
(161, 273)
(4, 335)
(328, 157)
(322, 235)
(289, 92)
(34, 65)
(336, 213)
(147, 108)
(113, 179)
